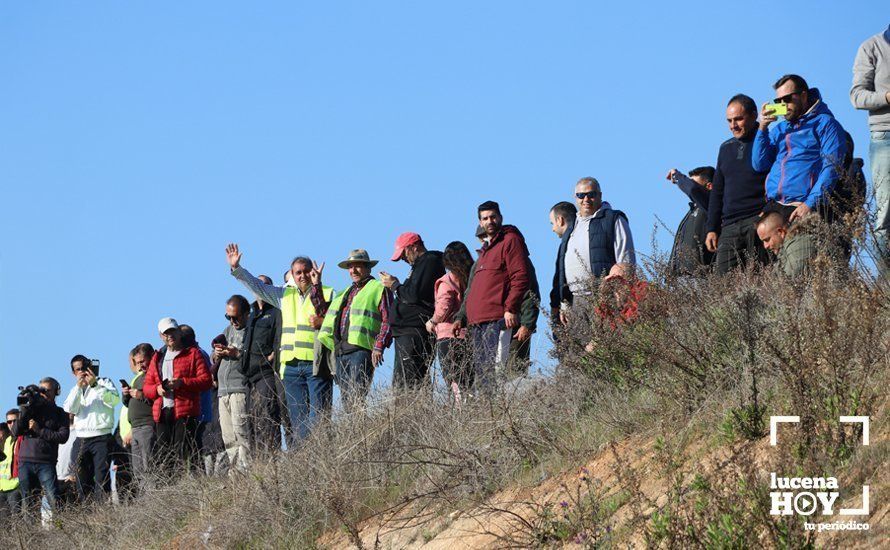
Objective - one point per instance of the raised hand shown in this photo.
(233, 255)
(315, 273)
(767, 117)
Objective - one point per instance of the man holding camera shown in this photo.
(92, 401)
(42, 426)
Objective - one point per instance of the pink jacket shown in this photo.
(449, 293)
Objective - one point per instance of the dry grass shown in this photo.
(695, 374)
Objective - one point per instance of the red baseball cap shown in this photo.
(404, 241)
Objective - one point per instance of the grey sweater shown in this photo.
(871, 81)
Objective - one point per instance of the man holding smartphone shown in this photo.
(92, 402)
(801, 153)
(175, 378)
(141, 436)
(233, 391)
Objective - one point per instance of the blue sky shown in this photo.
(139, 138)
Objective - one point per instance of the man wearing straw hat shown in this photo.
(357, 329)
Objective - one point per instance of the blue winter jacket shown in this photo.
(802, 157)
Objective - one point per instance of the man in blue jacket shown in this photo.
(803, 152)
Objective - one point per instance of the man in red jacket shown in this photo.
(174, 381)
(493, 301)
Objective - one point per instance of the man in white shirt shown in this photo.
(92, 401)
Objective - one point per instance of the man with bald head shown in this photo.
(793, 248)
(598, 244)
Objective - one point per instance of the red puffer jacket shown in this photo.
(501, 278)
(190, 367)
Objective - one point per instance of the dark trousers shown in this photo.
(177, 444)
(456, 362)
(354, 374)
(739, 244)
(10, 504)
(520, 357)
(33, 476)
(309, 399)
(93, 465)
(266, 414)
(123, 470)
(414, 355)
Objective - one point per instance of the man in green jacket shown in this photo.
(793, 247)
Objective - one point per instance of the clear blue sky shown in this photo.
(139, 138)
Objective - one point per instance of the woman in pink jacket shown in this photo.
(454, 355)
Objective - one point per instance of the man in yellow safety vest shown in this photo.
(357, 329)
(10, 495)
(304, 368)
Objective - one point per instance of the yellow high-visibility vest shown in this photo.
(7, 482)
(297, 334)
(364, 317)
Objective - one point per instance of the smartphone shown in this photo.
(779, 109)
(124, 383)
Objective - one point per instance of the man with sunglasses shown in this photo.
(803, 152)
(871, 92)
(597, 245)
(10, 495)
(233, 391)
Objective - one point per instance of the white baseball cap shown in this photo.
(166, 324)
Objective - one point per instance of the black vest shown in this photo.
(601, 232)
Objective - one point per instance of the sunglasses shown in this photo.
(587, 195)
(232, 318)
(786, 98)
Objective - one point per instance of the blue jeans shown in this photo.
(32, 476)
(879, 154)
(354, 374)
(308, 398)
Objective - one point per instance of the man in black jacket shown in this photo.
(43, 427)
(690, 256)
(738, 193)
(562, 217)
(413, 306)
(262, 342)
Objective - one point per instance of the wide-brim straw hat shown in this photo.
(357, 255)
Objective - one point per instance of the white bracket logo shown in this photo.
(774, 422)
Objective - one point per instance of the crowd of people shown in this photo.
(266, 382)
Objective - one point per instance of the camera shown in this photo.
(91, 365)
(30, 402)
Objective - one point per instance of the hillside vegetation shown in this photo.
(652, 432)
